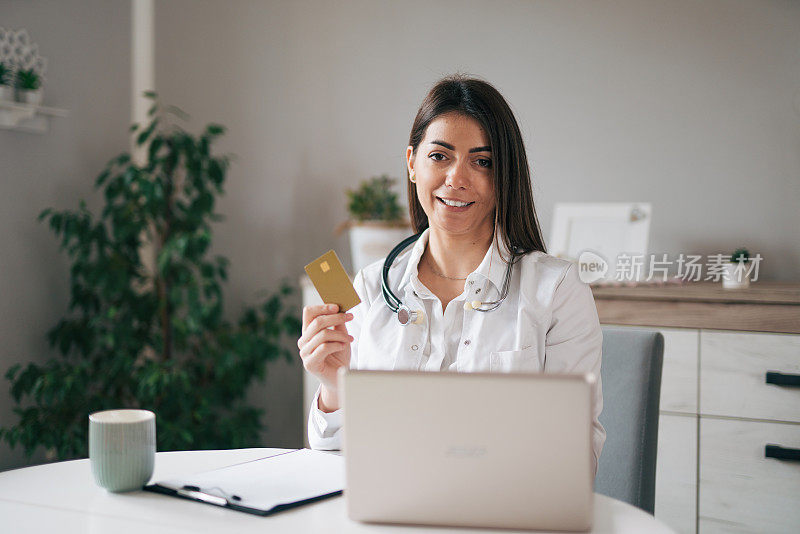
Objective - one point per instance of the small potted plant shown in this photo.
(6, 87)
(29, 87)
(376, 222)
(736, 274)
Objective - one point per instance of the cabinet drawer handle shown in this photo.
(783, 379)
(781, 453)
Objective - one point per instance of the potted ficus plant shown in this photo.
(157, 337)
(376, 222)
(736, 274)
(29, 87)
(6, 87)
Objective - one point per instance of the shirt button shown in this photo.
(471, 282)
(477, 291)
(414, 347)
(415, 294)
(466, 342)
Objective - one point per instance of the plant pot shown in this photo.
(30, 96)
(371, 241)
(736, 276)
(6, 93)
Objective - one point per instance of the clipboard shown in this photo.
(264, 486)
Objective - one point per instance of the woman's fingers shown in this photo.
(341, 327)
(324, 340)
(322, 322)
(325, 336)
(311, 312)
(317, 359)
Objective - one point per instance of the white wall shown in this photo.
(87, 44)
(686, 104)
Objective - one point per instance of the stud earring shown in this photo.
(412, 177)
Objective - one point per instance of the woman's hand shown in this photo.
(324, 349)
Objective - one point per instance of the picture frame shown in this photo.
(604, 229)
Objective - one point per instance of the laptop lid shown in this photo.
(494, 450)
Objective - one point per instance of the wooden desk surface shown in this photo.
(763, 307)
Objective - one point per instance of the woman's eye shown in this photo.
(436, 154)
(483, 162)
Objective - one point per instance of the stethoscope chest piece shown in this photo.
(407, 316)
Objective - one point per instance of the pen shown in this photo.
(194, 492)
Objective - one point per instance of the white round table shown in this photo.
(63, 498)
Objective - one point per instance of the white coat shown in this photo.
(547, 323)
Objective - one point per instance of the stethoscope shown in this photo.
(408, 316)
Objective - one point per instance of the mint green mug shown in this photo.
(122, 448)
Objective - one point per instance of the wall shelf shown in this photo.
(27, 117)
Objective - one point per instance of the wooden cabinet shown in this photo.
(717, 410)
(679, 373)
(740, 413)
(740, 489)
(676, 472)
(733, 372)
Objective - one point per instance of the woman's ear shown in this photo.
(410, 159)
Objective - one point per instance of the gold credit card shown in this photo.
(332, 282)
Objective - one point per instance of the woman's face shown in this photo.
(453, 171)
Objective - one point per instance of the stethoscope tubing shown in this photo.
(391, 299)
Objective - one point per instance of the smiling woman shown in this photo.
(478, 248)
(452, 174)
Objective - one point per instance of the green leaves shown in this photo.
(5, 74)
(28, 79)
(214, 130)
(740, 255)
(147, 132)
(156, 340)
(374, 200)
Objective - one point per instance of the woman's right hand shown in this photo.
(324, 350)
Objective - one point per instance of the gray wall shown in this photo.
(686, 104)
(87, 44)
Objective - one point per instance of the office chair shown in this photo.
(631, 374)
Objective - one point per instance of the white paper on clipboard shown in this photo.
(263, 484)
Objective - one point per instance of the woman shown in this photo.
(469, 190)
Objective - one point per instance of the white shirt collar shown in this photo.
(492, 267)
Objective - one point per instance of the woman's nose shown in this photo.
(458, 176)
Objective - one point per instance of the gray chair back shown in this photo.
(631, 374)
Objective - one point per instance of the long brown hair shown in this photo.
(516, 215)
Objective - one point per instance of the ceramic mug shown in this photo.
(122, 448)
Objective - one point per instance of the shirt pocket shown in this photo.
(522, 360)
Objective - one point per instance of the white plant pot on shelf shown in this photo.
(27, 96)
(6, 93)
(371, 241)
(736, 276)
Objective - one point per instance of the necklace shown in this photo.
(440, 275)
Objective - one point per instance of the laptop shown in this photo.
(492, 450)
